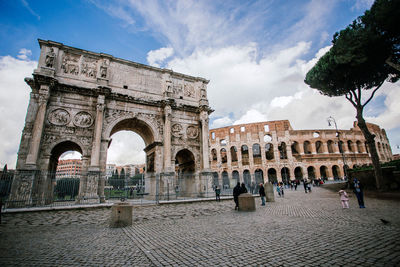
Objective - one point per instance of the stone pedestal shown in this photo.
(247, 202)
(121, 215)
(269, 192)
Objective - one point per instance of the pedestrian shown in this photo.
(282, 190)
(305, 185)
(278, 189)
(309, 187)
(261, 191)
(243, 189)
(295, 185)
(344, 198)
(236, 193)
(358, 190)
(217, 193)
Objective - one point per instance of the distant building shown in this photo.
(69, 168)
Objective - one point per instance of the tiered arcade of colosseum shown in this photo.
(273, 152)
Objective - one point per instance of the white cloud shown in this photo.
(362, 4)
(14, 98)
(251, 115)
(157, 57)
(24, 54)
(71, 155)
(126, 148)
(220, 122)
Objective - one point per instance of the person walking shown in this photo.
(278, 189)
(305, 185)
(358, 190)
(236, 193)
(261, 191)
(282, 190)
(344, 198)
(217, 193)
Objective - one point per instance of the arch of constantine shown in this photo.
(79, 99)
(273, 152)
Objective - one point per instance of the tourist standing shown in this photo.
(344, 198)
(282, 190)
(278, 189)
(358, 190)
(236, 193)
(305, 185)
(261, 191)
(217, 193)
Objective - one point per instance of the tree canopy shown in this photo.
(363, 56)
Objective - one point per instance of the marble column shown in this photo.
(44, 94)
(167, 138)
(204, 139)
(95, 157)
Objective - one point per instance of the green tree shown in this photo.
(357, 62)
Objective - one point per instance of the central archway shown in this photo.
(185, 169)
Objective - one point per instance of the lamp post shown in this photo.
(330, 119)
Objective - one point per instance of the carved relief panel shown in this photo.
(70, 64)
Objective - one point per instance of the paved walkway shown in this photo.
(298, 230)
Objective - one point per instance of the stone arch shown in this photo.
(298, 173)
(272, 177)
(224, 157)
(335, 172)
(307, 147)
(234, 157)
(350, 146)
(57, 149)
(225, 180)
(245, 154)
(285, 174)
(323, 170)
(319, 147)
(214, 156)
(259, 177)
(269, 151)
(256, 153)
(282, 150)
(215, 179)
(247, 178)
(311, 172)
(295, 148)
(235, 176)
(185, 166)
(359, 146)
(330, 146)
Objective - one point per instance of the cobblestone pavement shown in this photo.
(298, 230)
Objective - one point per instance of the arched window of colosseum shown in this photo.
(379, 148)
(223, 155)
(223, 142)
(311, 172)
(234, 154)
(231, 130)
(214, 154)
(259, 177)
(282, 150)
(247, 178)
(225, 180)
(335, 172)
(359, 149)
(330, 146)
(213, 135)
(245, 155)
(257, 154)
(298, 173)
(269, 151)
(324, 172)
(235, 176)
(366, 147)
(341, 148)
(295, 148)
(242, 129)
(215, 179)
(350, 146)
(319, 147)
(315, 134)
(285, 174)
(267, 138)
(266, 128)
(307, 147)
(272, 178)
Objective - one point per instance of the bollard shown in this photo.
(247, 202)
(269, 192)
(121, 215)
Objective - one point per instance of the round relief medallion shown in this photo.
(192, 132)
(59, 117)
(83, 119)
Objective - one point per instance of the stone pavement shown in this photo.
(298, 230)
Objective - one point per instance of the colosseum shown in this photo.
(273, 152)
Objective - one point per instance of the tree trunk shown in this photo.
(370, 138)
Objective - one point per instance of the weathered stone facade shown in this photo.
(273, 151)
(79, 99)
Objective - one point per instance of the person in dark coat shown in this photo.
(236, 193)
(261, 191)
(243, 189)
(358, 191)
(217, 193)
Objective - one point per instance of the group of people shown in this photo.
(357, 190)
(238, 190)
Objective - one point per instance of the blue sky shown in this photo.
(255, 54)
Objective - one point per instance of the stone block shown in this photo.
(121, 215)
(269, 192)
(247, 202)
